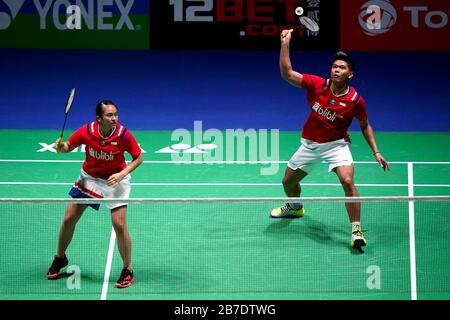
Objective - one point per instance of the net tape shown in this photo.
(228, 200)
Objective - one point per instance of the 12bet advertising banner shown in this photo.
(353, 25)
(383, 25)
(241, 24)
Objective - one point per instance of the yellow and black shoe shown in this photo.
(358, 239)
(286, 211)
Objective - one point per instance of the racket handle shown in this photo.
(283, 36)
(58, 141)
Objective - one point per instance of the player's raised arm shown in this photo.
(287, 73)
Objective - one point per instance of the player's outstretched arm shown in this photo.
(287, 73)
(367, 131)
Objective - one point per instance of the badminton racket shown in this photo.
(67, 109)
(305, 21)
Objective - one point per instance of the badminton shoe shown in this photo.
(287, 211)
(57, 264)
(358, 239)
(126, 278)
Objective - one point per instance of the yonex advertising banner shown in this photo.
(241, 24)
(395, 25)
(80, 24)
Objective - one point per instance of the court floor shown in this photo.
(228, 250)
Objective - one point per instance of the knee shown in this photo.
(119, 227)
(348, 182)
(73, 214)
(69, 221)
(290, 184)
(287, 182)
(349, 186)
(71, 218)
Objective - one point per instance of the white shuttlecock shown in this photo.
(299, 11)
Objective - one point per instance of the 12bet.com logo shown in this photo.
(266, 18)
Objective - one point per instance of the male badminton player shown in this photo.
(104, 174)
(333, 105)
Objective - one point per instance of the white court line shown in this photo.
(39, 161)
(113, 236)
(412, 245)
(232, 184)
(215, 161)
(112, 242)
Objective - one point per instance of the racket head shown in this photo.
(309, 23)
(69, 101)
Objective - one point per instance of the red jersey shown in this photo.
(105, 155)
(330, 115)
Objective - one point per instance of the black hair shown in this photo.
(341, 55)
(100, 105)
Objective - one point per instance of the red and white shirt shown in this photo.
(330, 115)
(105, 155)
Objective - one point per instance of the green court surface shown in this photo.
(231, 251)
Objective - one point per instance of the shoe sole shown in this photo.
(53, 276)
(56, 275)
(288, 216)
(121, 286)
(358, 244)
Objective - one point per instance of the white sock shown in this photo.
(356, 224)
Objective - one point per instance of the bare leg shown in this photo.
(291, 181)
(345, 175)
(118, 217)
(73, 214)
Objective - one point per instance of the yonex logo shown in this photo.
(50, 147)
(6, 18)
(83, 11)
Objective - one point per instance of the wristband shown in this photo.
(376, 152)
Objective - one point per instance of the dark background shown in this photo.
(207, 71)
